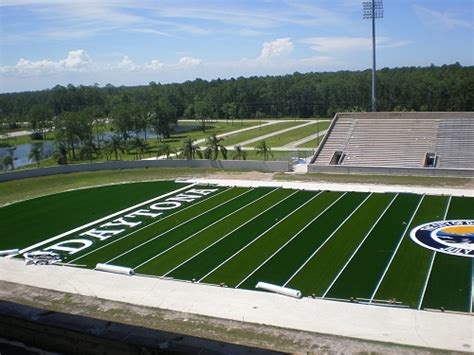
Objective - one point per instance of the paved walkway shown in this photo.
(295, 144)
(402, 326)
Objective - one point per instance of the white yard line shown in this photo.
(272, 134)
(428, 274)
(177, 226)
(327, 239)
(396, 249)
(289, 241)
(148, 225)
(208, 226)
(47, 241)
(254, 240)
(229, 233)
(359, 246)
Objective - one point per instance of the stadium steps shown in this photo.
(455, 143)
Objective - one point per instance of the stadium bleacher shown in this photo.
(399, 139)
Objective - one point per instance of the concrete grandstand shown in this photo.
(432, 140)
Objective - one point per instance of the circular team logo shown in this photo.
(455, 237)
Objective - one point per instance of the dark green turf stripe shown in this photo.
(249, 259)
(212, 257)
(174, 257)
(405, 279)
(115, 246)
(44, 217)
(450, 281)
(171, 237)
(280, 268)
(321, 270)
(362, 274)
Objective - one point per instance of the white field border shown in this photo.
(359, 246)
(257, 238)
(428, 274)
(291, 239)
(201, 230)
(327, 239)
(232, 231)
(396, 248)
(151, 224)
(59, 236)
(177, 226)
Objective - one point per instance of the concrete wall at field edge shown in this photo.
(369, 170)
(266, 166)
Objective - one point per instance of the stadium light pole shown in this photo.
(373, 9)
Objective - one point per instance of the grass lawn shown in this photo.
(260, 131)
(295, 135)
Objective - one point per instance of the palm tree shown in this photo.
(8, 162)
(263, 149)
(239, 153)
(60, 153)
(35, 154)
(213, 148)
(139, 146)
(165, 149)
(114, 146)
(189, 150)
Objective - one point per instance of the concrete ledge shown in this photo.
(265, 166)
(338, 169)
(401, 326)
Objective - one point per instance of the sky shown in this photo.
(133, 42)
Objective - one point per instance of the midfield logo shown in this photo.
(455, 237)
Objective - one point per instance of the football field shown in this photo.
(350, 246)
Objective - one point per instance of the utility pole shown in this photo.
(373, 9)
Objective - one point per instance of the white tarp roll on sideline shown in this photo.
(279, 289)
(9, 252)
(115, 269)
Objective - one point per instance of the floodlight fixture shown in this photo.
(371, 10)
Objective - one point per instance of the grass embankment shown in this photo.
(28, 222)
(259, 131)
(296, 134)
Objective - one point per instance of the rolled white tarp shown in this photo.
(9, 252)
(115, 269)
(279, 289)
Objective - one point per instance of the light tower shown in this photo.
(373, 9)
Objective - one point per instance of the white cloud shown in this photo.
(441, 19)
(189, 62)
(277, 48)
(350, 44)
(152, 32)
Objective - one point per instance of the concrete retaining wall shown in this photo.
(390, 171)
(267, 166)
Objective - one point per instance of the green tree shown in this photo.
(61, 153)
(163, 118)
(139, 146)
(239, 153)
(264, 150)
(35, 154)
(189, 150)
(8, 161)
(213, 147)
(166, 150)
(114, 146)
(40, 117)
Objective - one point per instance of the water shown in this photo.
(21, 153)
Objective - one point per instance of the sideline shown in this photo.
(447, 331)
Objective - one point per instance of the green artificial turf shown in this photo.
(323, 268)
(219, 252)
(28, 222)
(204, 238)
(450, 282)
(249, 259)
(362, 274)
(172, 237)
(407, 274)
(116, 246)
(285, 263)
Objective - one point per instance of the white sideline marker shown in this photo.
(279, 289)
(59, 236)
